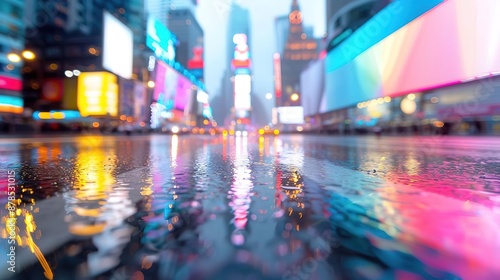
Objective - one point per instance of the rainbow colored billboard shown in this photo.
(454, 42)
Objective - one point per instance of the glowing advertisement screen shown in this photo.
(394, 16)
(11, 104)
(118, 47)
(160, 39)
(291, 115)
(242, 90)
(165, 85)
(160, 82)
(183, 93)
(97, 94)
(455, 42)
(10, 83)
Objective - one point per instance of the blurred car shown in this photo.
(268, 131)
(175, 128)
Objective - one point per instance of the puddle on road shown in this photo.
(269, 209)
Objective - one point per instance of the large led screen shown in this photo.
(242, 90)
(10, 83)
(11, 104)
(118, 47)
(452, 43)
(165, 85)
(160, 39)
(183, 93)
(291, 115)
(97, 94)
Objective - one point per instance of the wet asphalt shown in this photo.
(285, 207)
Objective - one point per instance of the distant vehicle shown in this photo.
(269, 131)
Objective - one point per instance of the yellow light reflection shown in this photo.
(94, 171)
(30, 228)
(10, 221)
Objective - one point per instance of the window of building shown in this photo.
(52, 52)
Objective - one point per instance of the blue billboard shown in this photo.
(394, 16)
(161, 40)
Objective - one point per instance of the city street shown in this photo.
(285, 207)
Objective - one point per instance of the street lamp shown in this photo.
(13, 57)
(26, 54)
(29, 55)
(294, 97)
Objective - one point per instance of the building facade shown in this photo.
(238, 23)
(160, 8)
(300, 49)
(183, 23)
(78, 39)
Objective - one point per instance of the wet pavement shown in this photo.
(286, 207)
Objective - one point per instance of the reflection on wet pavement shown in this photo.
(288, 207)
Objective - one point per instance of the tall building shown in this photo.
(238, 23)
(183, 23)
(300, 49)
(161, 8)
(282, 25)
(11, 59)
(72, 42)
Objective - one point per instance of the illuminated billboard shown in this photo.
(118, 47)
(241, 52)
(11, 104)
(52, 89)
(291, 115)
(10, 83)
(422, 55)
(160, 39)
(183, 93)
(165, 85)
(97, 94)
(277, 74)
(242, 89)
(202, 96)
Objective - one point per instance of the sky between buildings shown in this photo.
(213, 15)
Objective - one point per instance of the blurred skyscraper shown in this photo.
(282, 26)
(183, 23)
(300, 49)
(160, 8)
(238, 23)
(179, 16)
